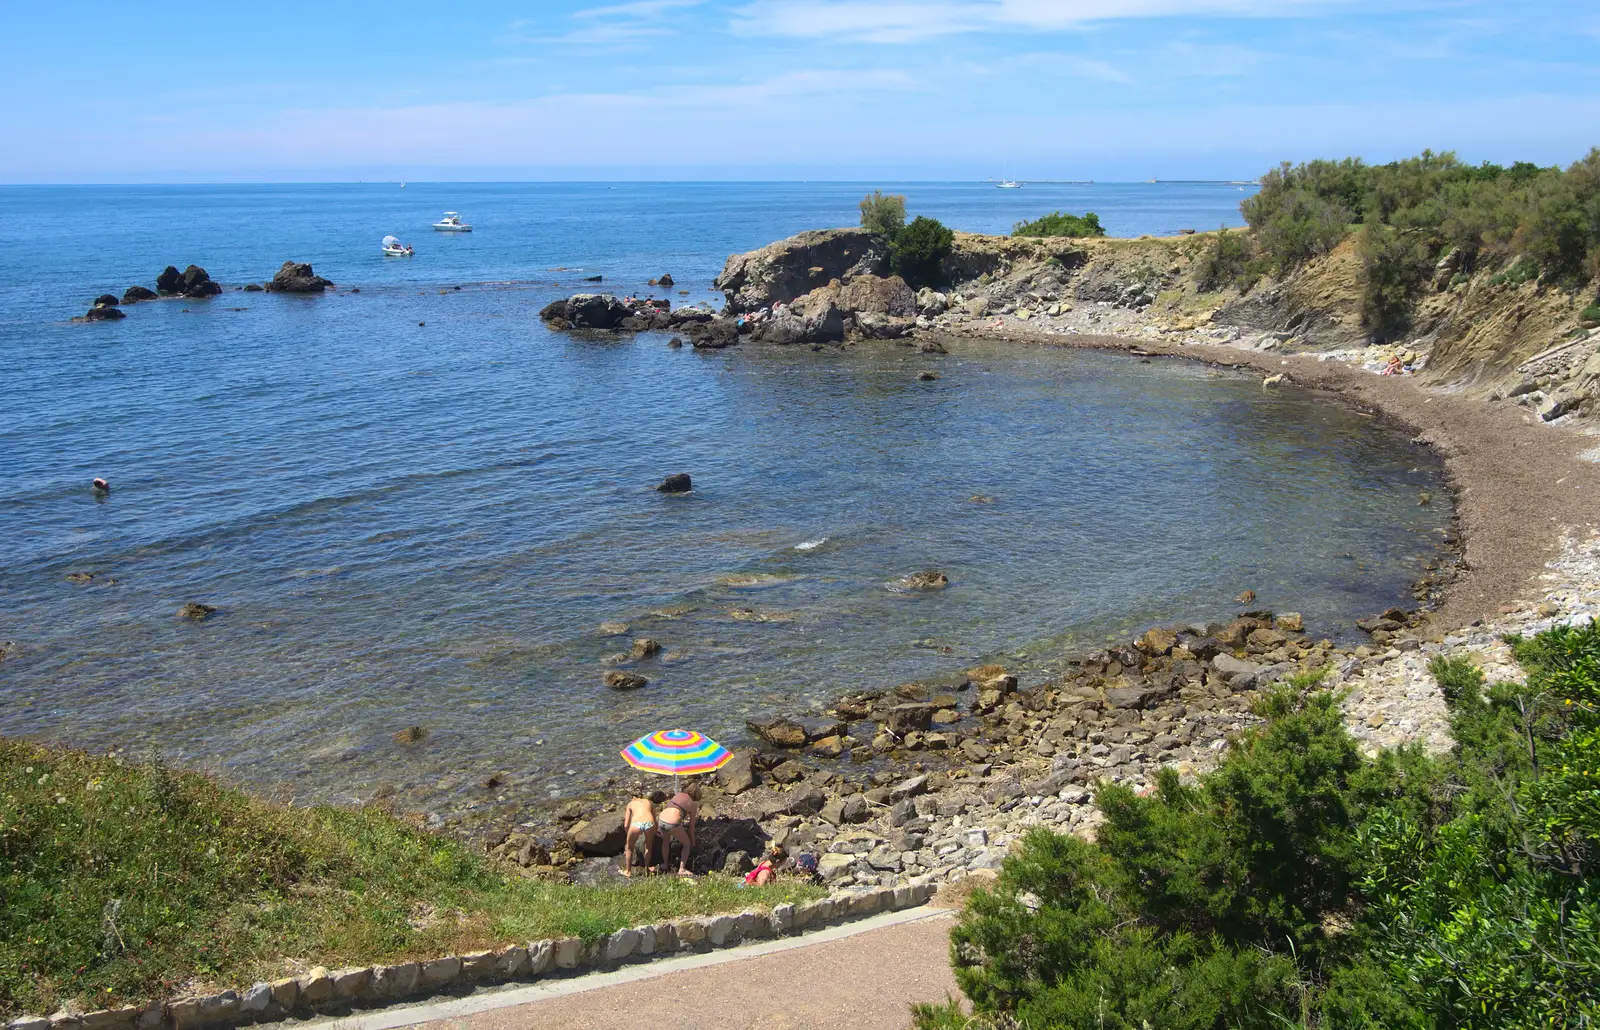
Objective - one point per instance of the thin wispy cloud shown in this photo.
(897, 21)
(610, 25)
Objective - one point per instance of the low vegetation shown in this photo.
(1431, 219)
(916, 250)
(1304, 885)
(123, 881)
(884, 214)
(1058, 224)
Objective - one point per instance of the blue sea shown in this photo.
(413, 505)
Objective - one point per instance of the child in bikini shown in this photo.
(640, 818)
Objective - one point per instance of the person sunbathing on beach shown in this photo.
(1395, 367)
(678, 820)
(763, 873)
(640, 819)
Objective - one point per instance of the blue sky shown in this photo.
(839, 89)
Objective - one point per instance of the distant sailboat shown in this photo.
(402, 184)
(1007, 183)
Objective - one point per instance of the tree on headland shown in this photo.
(917, 252)
(1057, 223)
(883, 214)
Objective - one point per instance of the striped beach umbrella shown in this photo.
(676, 753)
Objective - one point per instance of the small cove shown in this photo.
(426, 525)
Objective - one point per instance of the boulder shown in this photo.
(929, 580)
(619, 680)
(295, 277)
(601, 836)
(906, 718)
(644, 647)
(931, 303)
(106, 300)
(883, 327)
(586, 311)
(196, 282)
(103, 313)
(1157, 642)
(784, 731)
(712, 335)
(841, 811)
(196, 612)
(791, 268)
(736, 774)
(170, 280)
(1238, 672)
(878, 295)
(1143, 695)
(677, 483)
(1289, 622)
(787, 772)
(666, 280)
(134, 294)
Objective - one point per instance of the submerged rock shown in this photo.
(677, 483)
(196, 611)
(929, 580)
(411, 735)
(618, 680)
(103, 313)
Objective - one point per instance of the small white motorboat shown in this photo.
(451, 222)
(392, 247)
(1008, 185)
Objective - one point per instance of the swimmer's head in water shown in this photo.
(101, 485)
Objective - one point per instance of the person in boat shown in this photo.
(677, 823)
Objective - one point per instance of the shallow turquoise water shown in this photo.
(411, 524)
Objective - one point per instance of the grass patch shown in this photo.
(126, 881)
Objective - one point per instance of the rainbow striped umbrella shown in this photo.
(676, 753)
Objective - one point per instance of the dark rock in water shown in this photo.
(929, 580)
(684, 316)
(665, 280)
(593, 278)
(170, 280)
(252, 288)
(737, 775)
(134, 294)
(411, 735)
(675, 343)
(927, 377)
(932, 347)
(106, 300)
(196, 282)
(196, 611)
(677, 483)
(914, 715)
(713, 335)
(618, 680)
(784, 731)
(602, 835)
(586, 311)
(644, 647)
(103, 313)
(298, 277)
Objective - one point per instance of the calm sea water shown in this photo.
(409, 523)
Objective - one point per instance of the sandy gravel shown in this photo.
(1519, 485)
(864, 982)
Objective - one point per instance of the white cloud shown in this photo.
(609, 25)
(898, 21)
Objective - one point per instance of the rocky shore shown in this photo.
(931, 782)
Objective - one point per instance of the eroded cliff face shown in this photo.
(1486, 334)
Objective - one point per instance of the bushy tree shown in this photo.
(1394, 266)
(884, 214)
(1228, 259)
(1057, 223)
(917, 251)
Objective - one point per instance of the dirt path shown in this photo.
(863, 982)
(1518, 484)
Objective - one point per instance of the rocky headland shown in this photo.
(935, 781)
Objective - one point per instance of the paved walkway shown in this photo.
(861, 977)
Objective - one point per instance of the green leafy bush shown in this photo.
(1228, 259)
(884, 214)
(1302, 884)
(1590, 313)
(916, 252)
(1058, 224)
(1394, 266)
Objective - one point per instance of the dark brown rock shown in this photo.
(677, 483)
(602, 835)
(196, 611)
(737, 774)
(293, 277)
(619, 680)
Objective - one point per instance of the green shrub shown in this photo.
(1590, 313)
(1228, 259)
(1058, 224)
(884, 214)
(1394, 267)
(918, 250)
(1301, 884)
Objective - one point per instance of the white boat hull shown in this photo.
(397, 252)
(452, 228)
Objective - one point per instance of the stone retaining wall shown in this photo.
(323, 991)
